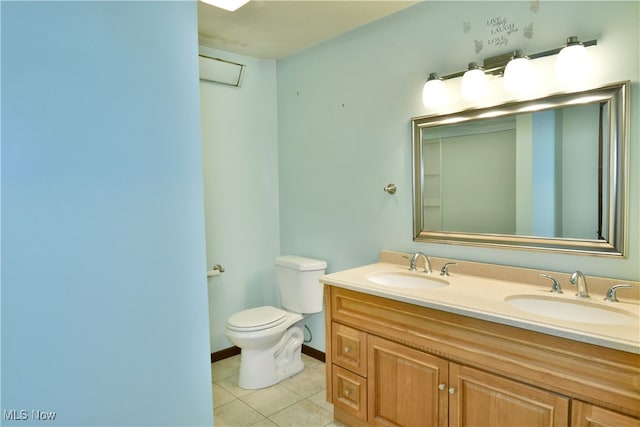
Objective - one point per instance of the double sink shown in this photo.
(547, 306)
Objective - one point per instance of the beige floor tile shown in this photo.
(303, 413)
(299, 401)
(310, 362)
(320, 399)
(265, 423)
(272, 399)
(221, 396)
(231, 385)
(310, 381)
(225, 368)
(236, 414)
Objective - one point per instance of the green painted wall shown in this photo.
(344, 110)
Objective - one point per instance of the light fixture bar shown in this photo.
(495, 65)
(557, 50)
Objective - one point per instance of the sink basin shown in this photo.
(407, 280)
(576, 311)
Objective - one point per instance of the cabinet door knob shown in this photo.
(347, 349)
(452, 390)
(442, 386)
(347, 392)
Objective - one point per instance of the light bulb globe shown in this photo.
(519, 76)
(573, 65)
(474, 84)
(434, 93)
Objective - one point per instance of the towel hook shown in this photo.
(391, 188)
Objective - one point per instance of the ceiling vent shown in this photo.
(220, 71)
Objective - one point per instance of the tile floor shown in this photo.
(298, 401)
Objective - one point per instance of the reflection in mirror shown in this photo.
(546, 174)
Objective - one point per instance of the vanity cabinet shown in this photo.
(587, 415)
(448, 394)
(390, 363)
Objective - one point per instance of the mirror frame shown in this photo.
(618, 99)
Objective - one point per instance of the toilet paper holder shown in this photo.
(217, 269)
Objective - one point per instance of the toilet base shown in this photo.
(263, 368)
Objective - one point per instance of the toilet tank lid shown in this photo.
(300, 263)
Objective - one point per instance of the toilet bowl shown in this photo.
(270, 348)
(271, 338)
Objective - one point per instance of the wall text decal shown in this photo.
(511, 25)
(500, 30)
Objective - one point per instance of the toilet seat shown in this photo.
(256, 319)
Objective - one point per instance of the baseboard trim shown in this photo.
(312, 352)
(224, 353)
(232, 351)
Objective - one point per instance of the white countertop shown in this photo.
(484, 298)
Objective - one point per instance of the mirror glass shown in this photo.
(547, 174)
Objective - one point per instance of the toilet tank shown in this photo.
(300, 289)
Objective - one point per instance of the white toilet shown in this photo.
(271, 338)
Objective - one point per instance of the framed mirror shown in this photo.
(546, 174)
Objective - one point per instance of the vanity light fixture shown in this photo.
(572, 68)
(434, 93)
(474, 83)
(230, 5)
(519, 77)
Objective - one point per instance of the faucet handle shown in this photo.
(445, 268)
(555, 287)
(611, 293)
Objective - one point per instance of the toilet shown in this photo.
(271, 338)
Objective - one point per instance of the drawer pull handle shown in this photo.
(347, 392)
(452, 390)
(442, 386)
(347, 349)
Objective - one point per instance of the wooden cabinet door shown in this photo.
(587, 415)
(406, 387)
(480, 399)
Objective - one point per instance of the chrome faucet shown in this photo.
(578, 280)
(427, 262)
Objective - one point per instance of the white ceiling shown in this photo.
(273, 29)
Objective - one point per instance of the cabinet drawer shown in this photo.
(348, 348)
(350, 392)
